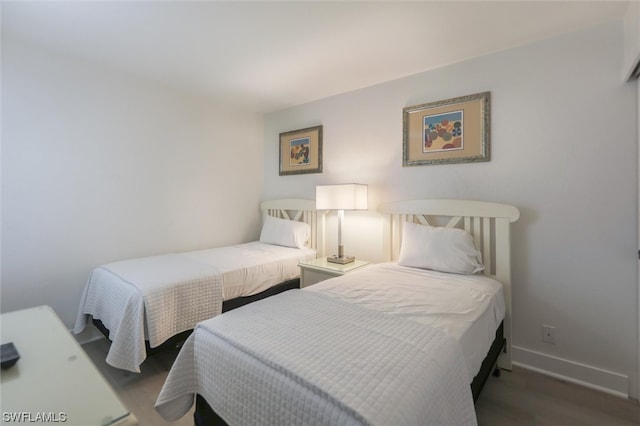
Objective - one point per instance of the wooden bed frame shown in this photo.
(296, 209)
(488, 223)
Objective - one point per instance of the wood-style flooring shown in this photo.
(138, 391)
(517, 398)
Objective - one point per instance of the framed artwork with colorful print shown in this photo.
(450, 131)
(301, 151)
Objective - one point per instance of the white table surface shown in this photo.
(54, 378)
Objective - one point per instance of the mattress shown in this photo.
(304, 357)
(157, 297)
(466, 307)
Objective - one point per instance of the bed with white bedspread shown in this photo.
(146, 301)
(256, 365)
(387, 344)
(468, 308)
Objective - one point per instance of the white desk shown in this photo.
(54, 381)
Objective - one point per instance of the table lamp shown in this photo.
(350, 196)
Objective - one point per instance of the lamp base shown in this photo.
(342, 260)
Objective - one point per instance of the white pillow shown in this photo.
(440, 249)
(282, 232)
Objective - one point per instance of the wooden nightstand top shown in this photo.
(321, 264)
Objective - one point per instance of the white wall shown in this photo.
(99, 166)
(564, 152)
(631, 38)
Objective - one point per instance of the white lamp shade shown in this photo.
(350, 196)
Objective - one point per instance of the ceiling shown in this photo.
(272, 55)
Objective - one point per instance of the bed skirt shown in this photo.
(489, 364)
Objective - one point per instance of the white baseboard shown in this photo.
(571, 371)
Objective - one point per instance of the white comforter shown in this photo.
(304, 357)
(157, 297)
(253, 267)
(466, 307)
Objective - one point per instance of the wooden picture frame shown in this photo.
(450, 131)
(301, 151)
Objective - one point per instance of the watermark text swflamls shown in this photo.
(28, 417)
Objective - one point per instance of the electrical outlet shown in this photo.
(549, 334)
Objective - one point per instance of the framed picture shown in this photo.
(450, 131)
(301, 151)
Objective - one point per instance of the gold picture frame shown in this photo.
(301, 151)
(450, 131)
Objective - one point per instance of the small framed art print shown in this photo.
(301, 151)
(450, 131)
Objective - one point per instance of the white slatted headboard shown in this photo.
(302, 211)
(489, 223)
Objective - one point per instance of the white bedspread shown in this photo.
(157, 297)
(304, 357)
(466, 307)
(253, 267)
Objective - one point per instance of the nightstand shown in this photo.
(316, 270)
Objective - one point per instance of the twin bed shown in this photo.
(146, 303)
(408, 341)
